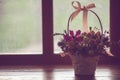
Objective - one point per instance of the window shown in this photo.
(45, 35)
(63, 9)
(20, 27)
(28, 14)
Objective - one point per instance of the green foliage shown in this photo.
(17, 25)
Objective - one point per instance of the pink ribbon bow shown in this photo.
(85, 12)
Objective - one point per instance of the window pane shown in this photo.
(20, 27)
(63, 9)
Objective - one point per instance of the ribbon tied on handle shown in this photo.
(85, 13)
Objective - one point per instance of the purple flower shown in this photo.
(67, 37)
(77, 34)
(71, 33)
(60, 44)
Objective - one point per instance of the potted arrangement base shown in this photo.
(84, 65)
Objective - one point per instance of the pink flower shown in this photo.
(71, 35)
(78, 32)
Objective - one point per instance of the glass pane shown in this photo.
(20, 27)
(63, 9)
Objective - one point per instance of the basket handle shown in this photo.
(71, 17)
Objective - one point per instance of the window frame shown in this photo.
(48, 57)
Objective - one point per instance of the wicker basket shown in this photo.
(84, 65)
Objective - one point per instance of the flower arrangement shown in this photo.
(92, 43)
(85, 47)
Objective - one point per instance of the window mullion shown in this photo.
(47, 18)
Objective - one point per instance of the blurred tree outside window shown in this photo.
(20, 27)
